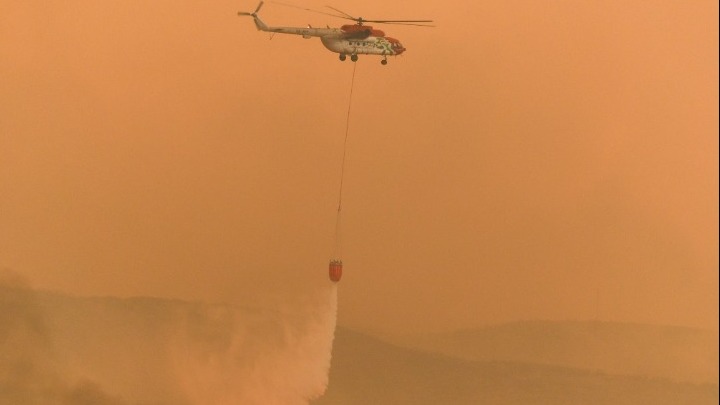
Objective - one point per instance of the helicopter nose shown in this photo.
(397, 47)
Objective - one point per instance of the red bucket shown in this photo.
(335, 270)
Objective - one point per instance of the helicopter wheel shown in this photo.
(384, 61)
(343, 57)
(354, 58)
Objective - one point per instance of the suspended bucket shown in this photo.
(335, 270)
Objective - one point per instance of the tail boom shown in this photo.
(305, 32)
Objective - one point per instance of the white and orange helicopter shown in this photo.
(356, 39)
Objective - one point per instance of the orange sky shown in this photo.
(522, 160)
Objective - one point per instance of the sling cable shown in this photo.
(335, 270)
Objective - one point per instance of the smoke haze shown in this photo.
(159, 149)
(524, 160)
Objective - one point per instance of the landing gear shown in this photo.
(353, 58)
(343, 57)
(384, 61)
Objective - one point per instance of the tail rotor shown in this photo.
(258, 22)
(254, 13)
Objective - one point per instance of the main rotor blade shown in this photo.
(307, 9)
(360, 20)
(343, 13)
(402, 23)
(398, 21)
(244, 13)
(259, 6)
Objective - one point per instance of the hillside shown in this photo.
(115, 351)
(366, 370)
(677, 353)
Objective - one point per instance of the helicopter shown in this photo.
(348, 40)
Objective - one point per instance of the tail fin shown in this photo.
(258, 22)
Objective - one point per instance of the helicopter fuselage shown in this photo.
(367, 46)
(359, 42)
